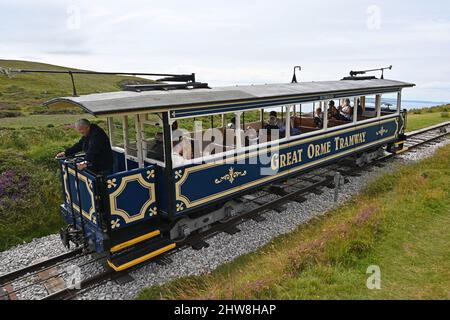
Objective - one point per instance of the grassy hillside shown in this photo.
(422, 118)
(27, 92)
(399, 223)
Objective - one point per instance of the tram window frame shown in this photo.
(215, 121)
(312, 129)
(364, 104)
(127, 130)
(398, 106)
(156, 121)
(116, 124)
(378, 105)
(340, 101)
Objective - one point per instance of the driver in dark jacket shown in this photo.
(95, 144)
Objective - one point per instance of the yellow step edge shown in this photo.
(131, 242)
(139, 260)
(401, 151)
(399, 142)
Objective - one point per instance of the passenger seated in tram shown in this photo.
(318, 117)
(333, 112)
(251, 137)
(360, 108)
(346, 111)
(182, 147)
(272, 124)
(156, 148)
(181, 151)
(279, 122)
(232, 124)
(295, 131)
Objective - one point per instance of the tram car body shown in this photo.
(148, 203)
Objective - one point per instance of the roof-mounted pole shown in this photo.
(355, 73)
(294, 77)
(74, 89)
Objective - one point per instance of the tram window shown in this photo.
(388, 103)
(367, 108)
(341, 113)
(123, 134)
(115, 132)
(274, 122)
(152, 137)
(308, 117)
(195, 138)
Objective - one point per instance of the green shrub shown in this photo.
(10, 114)
(445, 115)
(34, 211)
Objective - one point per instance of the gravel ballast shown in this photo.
(222, 248)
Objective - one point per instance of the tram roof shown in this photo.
(182, 103)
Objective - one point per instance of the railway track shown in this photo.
(428, 135)
(7, 291)
(272, 197)
(49, 274)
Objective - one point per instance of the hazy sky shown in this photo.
(238, 42)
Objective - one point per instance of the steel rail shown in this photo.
(428, 129)
(53, 276)
(69, 293)
(11, 276)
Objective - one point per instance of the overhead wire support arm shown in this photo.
(167, 77)
(356, 73)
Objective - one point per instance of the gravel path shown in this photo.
(223, 247)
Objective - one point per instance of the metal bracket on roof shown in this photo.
(354, 74)
(294, 77)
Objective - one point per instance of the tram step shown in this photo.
(132, 258)
(401, 151)
(135, 241)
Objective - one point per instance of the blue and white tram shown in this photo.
(158, 194)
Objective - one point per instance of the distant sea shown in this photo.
(415, 104)
(408, 104)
